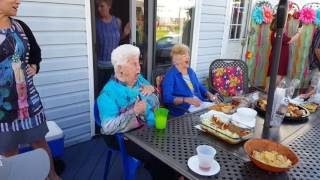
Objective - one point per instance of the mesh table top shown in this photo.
(178, 142)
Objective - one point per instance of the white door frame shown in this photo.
(133, 20)
(196, 35)
(90, 64)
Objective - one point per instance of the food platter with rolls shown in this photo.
(223, 127)
(295, 112)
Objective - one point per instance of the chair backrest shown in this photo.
(157, 78)
(229, 77)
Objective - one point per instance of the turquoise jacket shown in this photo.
(115, 104)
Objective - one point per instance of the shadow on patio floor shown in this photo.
(86, 161)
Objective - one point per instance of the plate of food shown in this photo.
(227, 108)
(270, 156)
(224, 128)
(295, 112)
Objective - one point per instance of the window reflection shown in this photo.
(140, 37)
(174, 24)
(141, 40)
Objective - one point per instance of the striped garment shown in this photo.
(20, 105)
(108, 38)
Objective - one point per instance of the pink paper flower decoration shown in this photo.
(290, 6)
(267, 15)
(307, 15)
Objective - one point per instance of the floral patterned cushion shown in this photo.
(228, 81)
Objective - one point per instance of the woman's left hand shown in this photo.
(146, 90)
(31, 69)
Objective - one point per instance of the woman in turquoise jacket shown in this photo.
(126, 102)
(127, 98)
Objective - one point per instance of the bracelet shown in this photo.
(182, 99)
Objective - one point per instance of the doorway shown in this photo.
(128, 11)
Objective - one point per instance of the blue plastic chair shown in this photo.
(129, 163)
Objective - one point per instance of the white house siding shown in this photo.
(212, 22)
(60, 29)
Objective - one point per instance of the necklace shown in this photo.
(5, 24)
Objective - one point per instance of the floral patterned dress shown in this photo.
(22, 119)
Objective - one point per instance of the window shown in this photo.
(174, 24)
(236, 19)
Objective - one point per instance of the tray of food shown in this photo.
(295, 112)
(223, 127)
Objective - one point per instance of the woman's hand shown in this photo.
(193, 101)
(126, 30)
(31, 69)
(146, 90)
(307, 95)
(139, 106)
(212, 98)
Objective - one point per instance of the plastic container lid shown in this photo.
(55, 132)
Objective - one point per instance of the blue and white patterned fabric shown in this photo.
(20, 105)
(115, 104)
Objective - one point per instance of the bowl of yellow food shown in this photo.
(270, 156)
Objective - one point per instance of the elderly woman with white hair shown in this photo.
(181, 87)
(125, 100)
(127, 97)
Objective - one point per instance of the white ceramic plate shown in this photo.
(193, 164)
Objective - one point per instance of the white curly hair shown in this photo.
(123, 53)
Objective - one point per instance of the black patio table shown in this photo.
(178, 142)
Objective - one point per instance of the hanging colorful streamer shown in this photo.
(317, 19)
(259, 44)
(258, 15)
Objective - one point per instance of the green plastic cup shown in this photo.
(161, 115)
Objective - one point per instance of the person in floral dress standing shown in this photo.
(22, 118)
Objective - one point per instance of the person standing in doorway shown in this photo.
(109, 33)
(22, 118)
